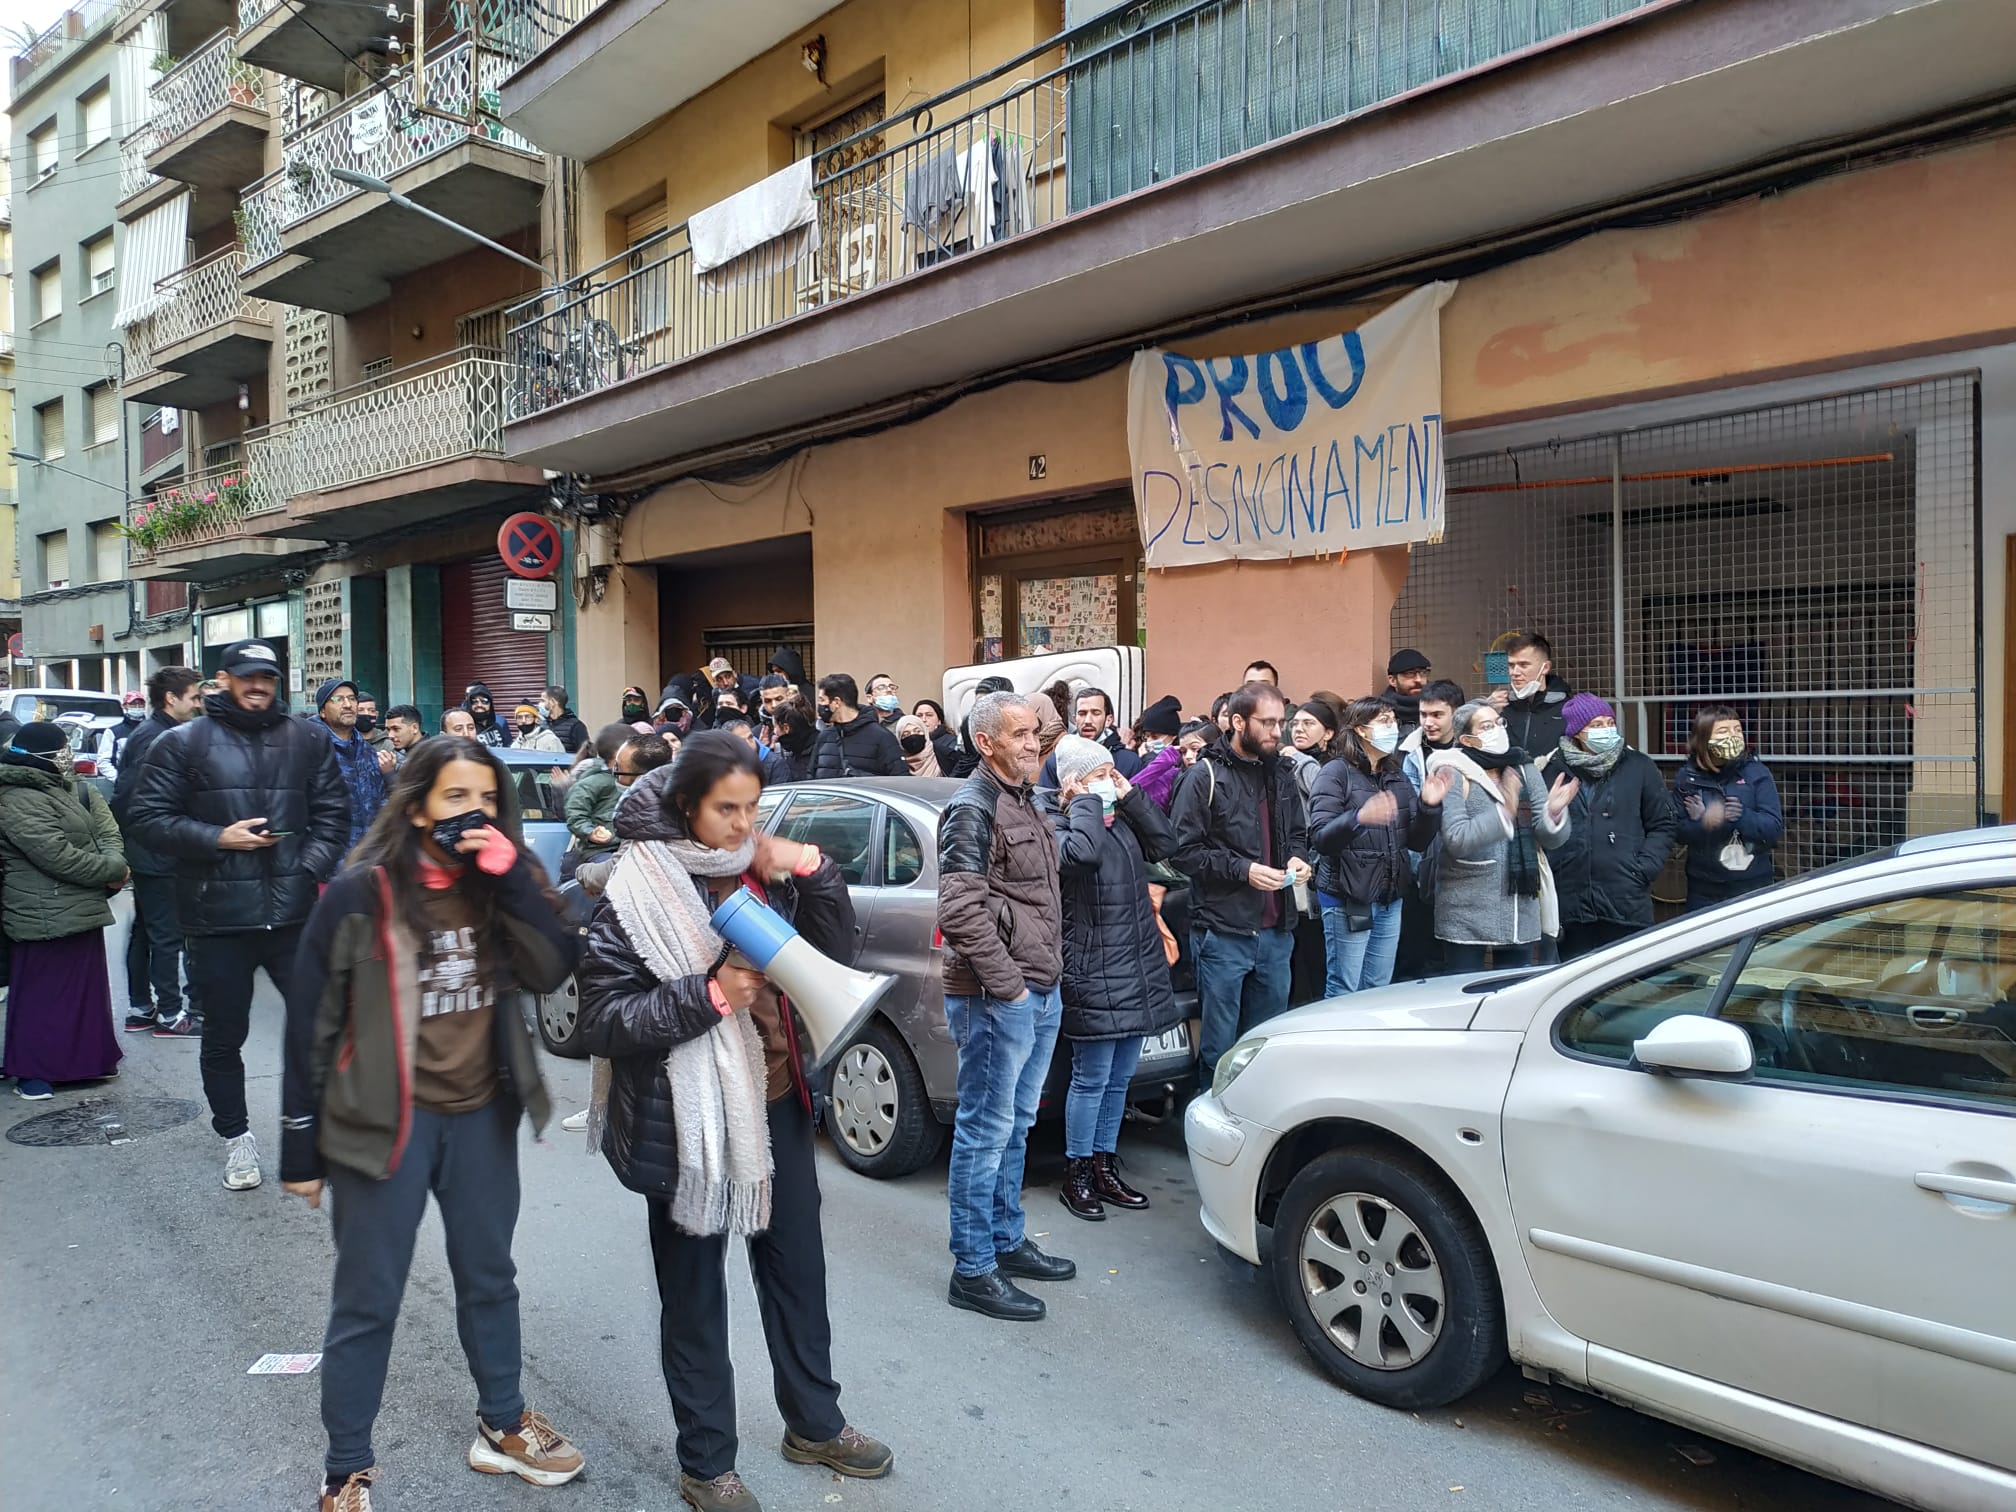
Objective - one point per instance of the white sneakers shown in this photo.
(574, 1123)
(241, 1163)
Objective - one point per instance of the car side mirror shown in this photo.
(1690, 1044)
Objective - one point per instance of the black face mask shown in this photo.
(366, 723)
(527, 729)
(912, 744)
(449, 832)
(794, 739)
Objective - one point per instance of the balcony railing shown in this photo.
(442, 410)
(134, 177)
(252, 12)
(210, 506)
(379, 132)
(553, 19)
(202, 297)
(207, 81)
(67, 31)
(1082, 119)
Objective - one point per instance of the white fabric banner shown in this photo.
(1318, 448)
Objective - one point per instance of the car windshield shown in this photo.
(536, 798)
(44, 705)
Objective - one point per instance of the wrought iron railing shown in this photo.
(1092, 114)
(553, 19)
(208, 80)
(380, 132)
(212, 505)
(448, 407)
(134, 176)
(77, 23)
(252, 12)
(202, 297)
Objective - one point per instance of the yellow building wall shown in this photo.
(1814, 279)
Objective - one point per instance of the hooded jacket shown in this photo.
(1760, 826)
(633, 1019)
(1116, 978)
(236, 764)
(591, 805)
(491, 731)
(1620, 832)
(862, 747)
(145, 861)
(1216, 817)
(788, 663)
(353, 1023)
(1535, 724)
(59, 855)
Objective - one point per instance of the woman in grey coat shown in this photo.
(1498, 816)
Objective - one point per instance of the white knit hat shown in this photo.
(1078, 758)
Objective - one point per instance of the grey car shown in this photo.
(895, 1088)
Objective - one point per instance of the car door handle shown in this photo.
(1936, 1018)
(1979, 1188)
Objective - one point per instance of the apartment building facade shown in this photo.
(83, 623)
(1712, 420)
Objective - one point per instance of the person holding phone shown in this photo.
(252, 807)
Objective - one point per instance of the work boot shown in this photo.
(995, 1296)
(1031, 1264)
(724, 1493)
(1107, 1183)
(852, 1453)
(1077, 1194)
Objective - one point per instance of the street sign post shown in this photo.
(530, 545)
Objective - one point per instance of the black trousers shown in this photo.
(788, 1262)
(154, 948)
(1578, 940)
(221, 968)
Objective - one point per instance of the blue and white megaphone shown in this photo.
(833, 1000)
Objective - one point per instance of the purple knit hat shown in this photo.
(1580, 709)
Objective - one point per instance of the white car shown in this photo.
(1753, 1171)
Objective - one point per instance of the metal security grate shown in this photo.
(1810, 564)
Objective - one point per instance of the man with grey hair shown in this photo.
(1001, 914)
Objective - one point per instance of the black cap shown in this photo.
(1406, 659)
(243, 658)
(1162, 717)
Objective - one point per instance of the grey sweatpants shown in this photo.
(469, 1161)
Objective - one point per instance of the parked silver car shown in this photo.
(895, 1088)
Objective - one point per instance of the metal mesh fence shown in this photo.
(1811, 565)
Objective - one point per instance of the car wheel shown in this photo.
(1387, 1279)
(879, 1114)
(560, 1020)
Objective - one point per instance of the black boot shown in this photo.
(1031, 1264)
(995, 1296)
(1108, 1187)
(1078, 1195)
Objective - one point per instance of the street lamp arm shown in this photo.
(358, 180)
(68, 472)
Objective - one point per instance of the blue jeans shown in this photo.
(1242, 980)
(1100, 1072)
(1363, 957)
(1004, 1056)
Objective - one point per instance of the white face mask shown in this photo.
(1524, 691)
(1105, 792)
(1385, 738)
(1497, 741)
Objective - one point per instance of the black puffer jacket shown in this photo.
(1216, 816)
(633, 1019)
(1366, 863)
(862, 747)
(1116, 978)
(1620, 833)
(210, 773)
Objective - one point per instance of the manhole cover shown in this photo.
(104, 1120)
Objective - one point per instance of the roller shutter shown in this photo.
(477, 641)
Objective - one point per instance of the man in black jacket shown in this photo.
(1621, 832)
(154, 944)
(854, 743)
(565, 724)
(1531, 707)
(1242, 839)
(251, 805)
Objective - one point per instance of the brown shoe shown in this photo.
(534, 1451)
(852, 1453)
(1107, 1184)
(354, 1495)
(724, 1493)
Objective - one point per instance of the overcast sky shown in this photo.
(17, 15)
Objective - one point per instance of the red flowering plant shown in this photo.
(175, 514)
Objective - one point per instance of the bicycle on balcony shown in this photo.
(556, 359)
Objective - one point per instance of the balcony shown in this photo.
(310, 40)
(208, 339)
(312, 241)
(1076, 205)
(198, 531)
(424, 442)
(43, 52)
(209, 126)
(606, 71)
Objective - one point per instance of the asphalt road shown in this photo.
(138, 1292)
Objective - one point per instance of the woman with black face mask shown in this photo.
(918, 752)
(793, 732)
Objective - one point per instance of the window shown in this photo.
(1625, 1012)
(272, 619)
(49, 431)
(42, 150)
(95, 113)
(48, 292)
(104, 414)
(108, 552)
(902, 856)
(842, 828)
(54, 550)
(98, 275)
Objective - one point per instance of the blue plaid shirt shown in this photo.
(359, 763)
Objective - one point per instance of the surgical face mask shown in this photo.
(1105, 791)
(1385, 738)
(912, 744)
(1150, 744)
(449, 832)
(1496, 742)
(1603, 740)
(1524, 691)
(888, 703)
(1726, 747)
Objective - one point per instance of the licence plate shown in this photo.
(1171, 1042)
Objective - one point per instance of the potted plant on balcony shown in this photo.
(241, 85)
(164, 62)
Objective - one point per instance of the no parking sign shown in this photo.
(530, 545)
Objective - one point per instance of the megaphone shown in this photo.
(833, 1000)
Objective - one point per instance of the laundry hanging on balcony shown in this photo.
(368, 126)
(758, 233)
(966, 197)
(156, 245)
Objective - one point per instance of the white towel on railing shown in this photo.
(758, 232)
(368, 125)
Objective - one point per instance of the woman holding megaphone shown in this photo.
(701, 1103)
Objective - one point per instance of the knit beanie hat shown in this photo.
(526, 711)
(328, 691)
(1583, 707)
(1162, 717)
(35, 745)
(1078, 758)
